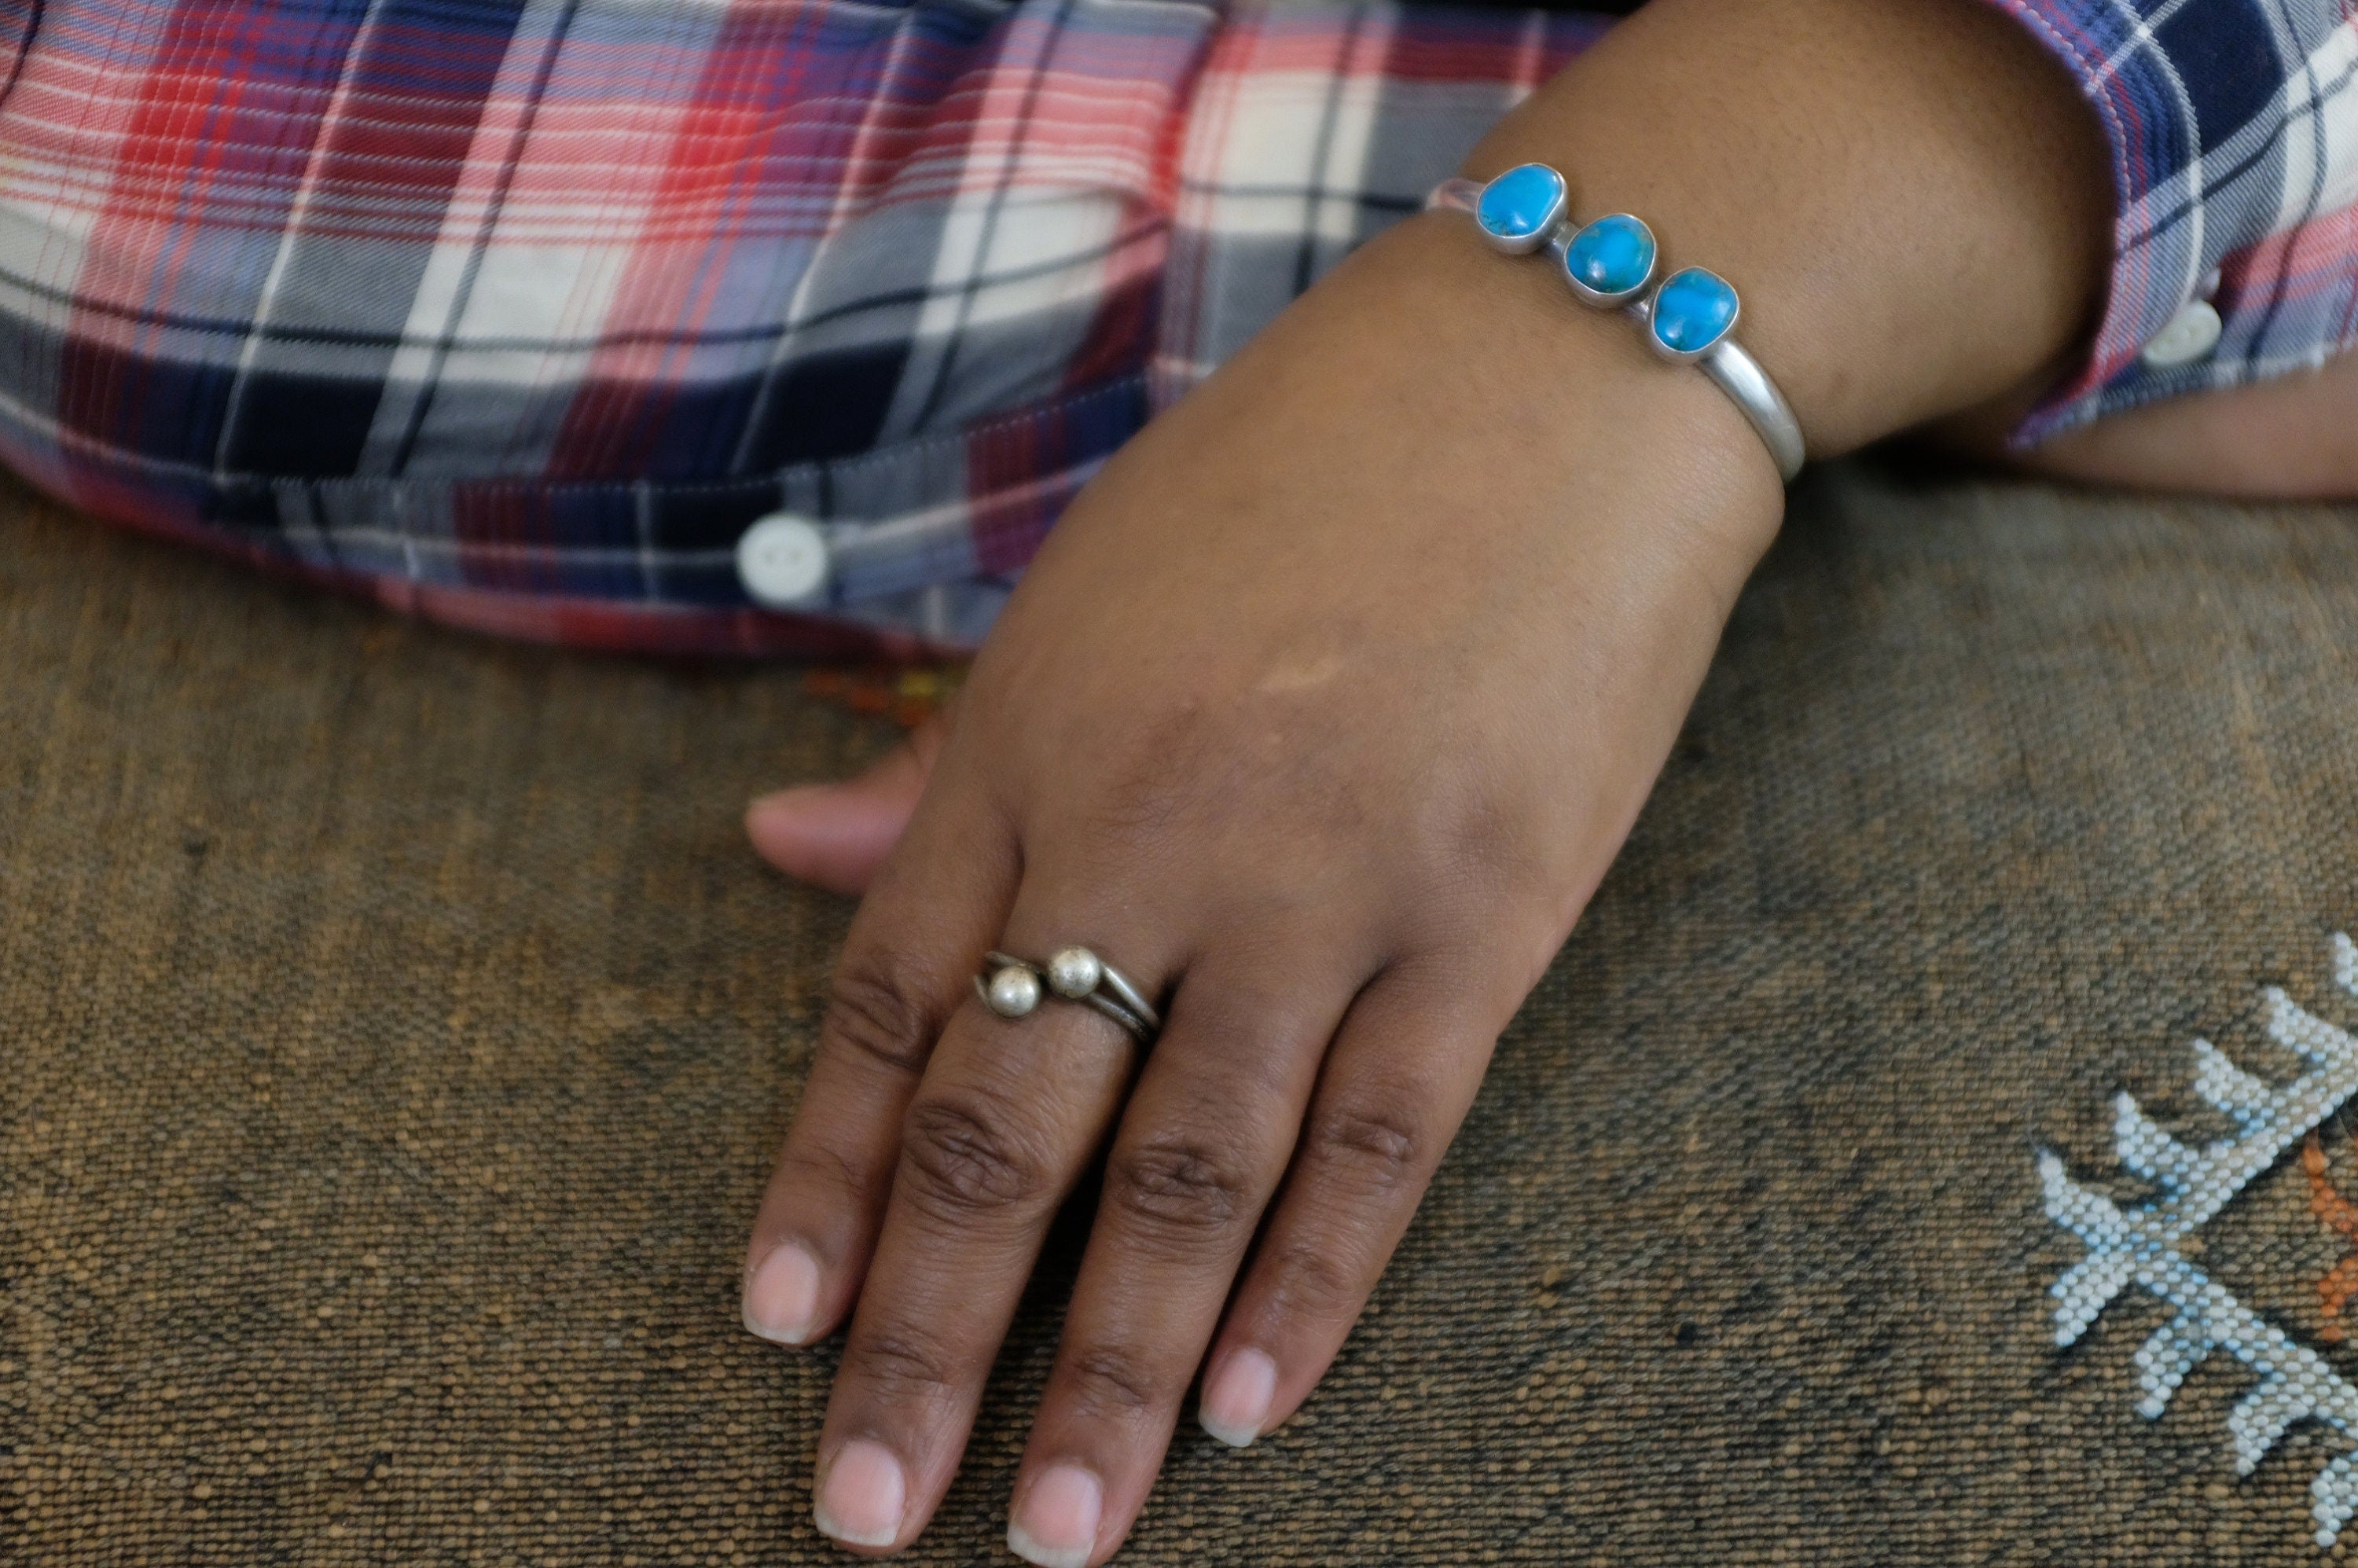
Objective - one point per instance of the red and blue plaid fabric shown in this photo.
(518, 312)
(2234, 144)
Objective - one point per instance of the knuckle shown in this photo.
(1309, 1284)
(822, 1167)
(1381, 1143)
(1109, 1379)
(1500, 843)
(961, 1157)
(900, 1366)
(1182, 1184)
(1150, 776)
(1480, 838)
(1133, 803)
(874, 1010)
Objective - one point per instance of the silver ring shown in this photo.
(1013, 987)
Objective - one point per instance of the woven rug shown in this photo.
(395, 1033)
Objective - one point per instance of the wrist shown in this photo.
(1911, 198)
(1686, 316)
(1574, 392)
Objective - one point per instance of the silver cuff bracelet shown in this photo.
(1688, 317)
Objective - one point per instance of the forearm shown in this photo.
(1908, 194)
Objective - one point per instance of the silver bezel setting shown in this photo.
(1549, 226)
(1560, 249)
(1687, 356)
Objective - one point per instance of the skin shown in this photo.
(2287, 440)
(1326, 734)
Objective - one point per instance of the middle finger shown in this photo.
(997, 1133)
(1202, 1145)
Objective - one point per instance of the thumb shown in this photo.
(835, 835)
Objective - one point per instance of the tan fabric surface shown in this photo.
(394, 1032)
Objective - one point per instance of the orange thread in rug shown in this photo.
(2340, 1284)
(908, 695)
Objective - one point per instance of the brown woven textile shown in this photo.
(394, 1032)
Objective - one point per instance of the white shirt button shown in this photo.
(782, 561)
(2191, 333)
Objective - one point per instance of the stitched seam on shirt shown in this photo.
(34, 11)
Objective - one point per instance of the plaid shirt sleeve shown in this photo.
(2234, 135)
(519, 312)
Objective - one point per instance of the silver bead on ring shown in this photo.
(1013, 991)
(1075, 972)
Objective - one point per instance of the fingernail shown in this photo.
(860, 1499)
(1057, 1526)
(1235, 1401)
(782, 1298)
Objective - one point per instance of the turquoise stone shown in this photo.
(1519, 203)
(1693, 310)
(1613, 255)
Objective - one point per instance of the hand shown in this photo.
(1323, 713)
(1327, 743)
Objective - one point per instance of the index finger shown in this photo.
(906, 964)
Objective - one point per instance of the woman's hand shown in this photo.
(1323, 713)
(1323, 735)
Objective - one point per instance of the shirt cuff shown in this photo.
(2233, 142)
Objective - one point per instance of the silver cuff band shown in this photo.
(1731, 369)
(1735, 373)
